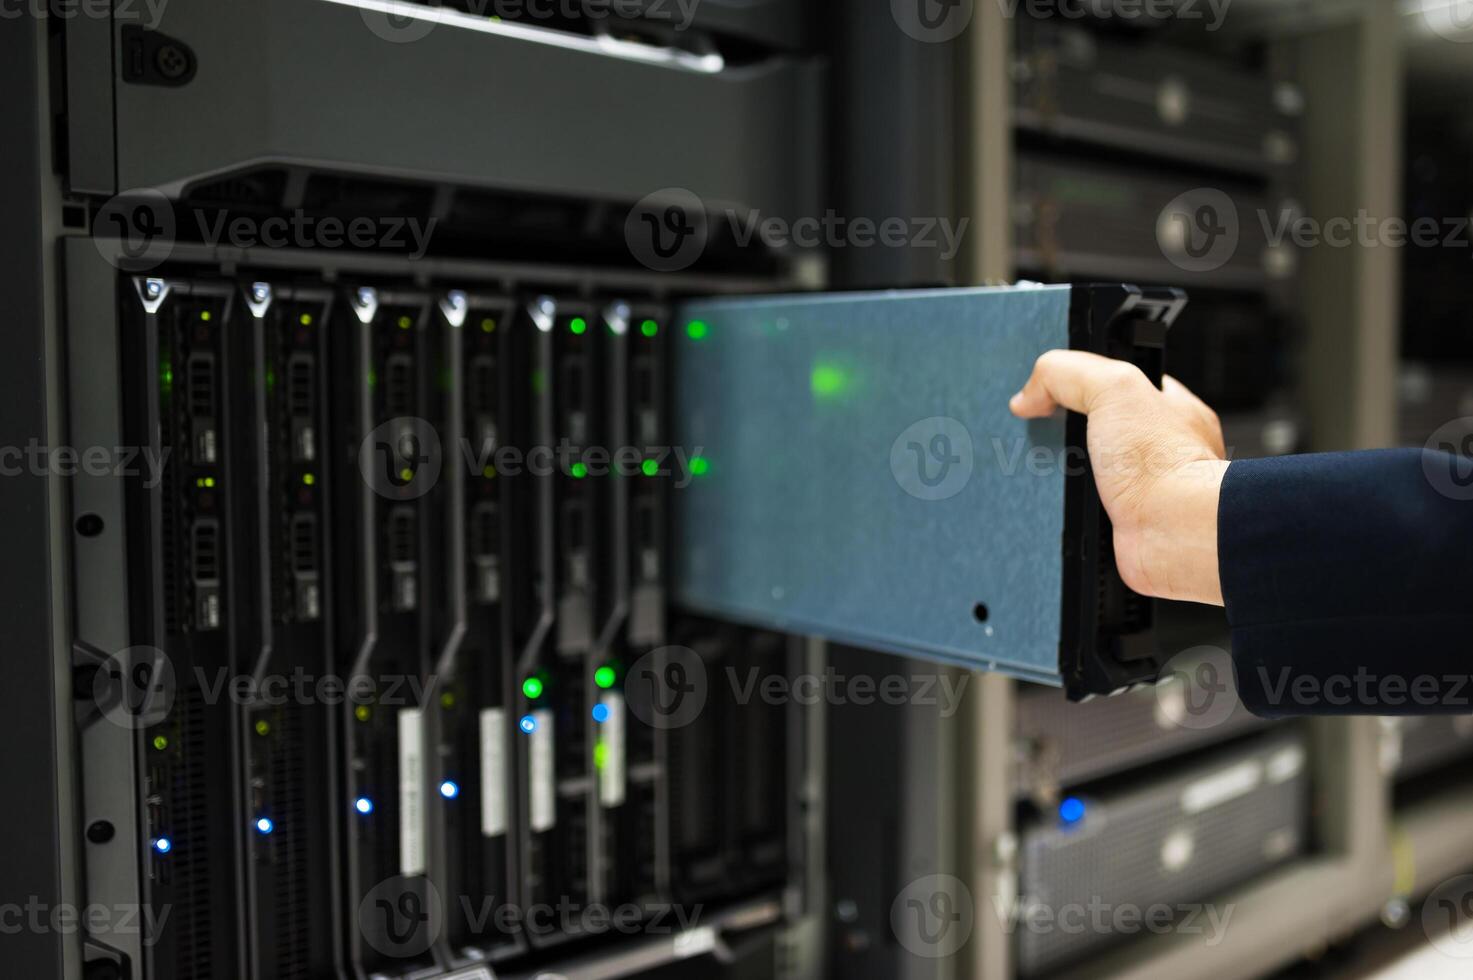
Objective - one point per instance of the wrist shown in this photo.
(1169, 550)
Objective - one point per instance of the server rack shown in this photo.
(327, 504)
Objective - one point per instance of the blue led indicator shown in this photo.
(600, 712)
(449, 789)
(363, 805)
(1071, 810)
(163, 845)
(264, 826)
(528, 724)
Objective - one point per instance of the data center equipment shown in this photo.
(1078, 219)
(1060, 745)
(804, 529)
(1416, 746)
(330, 676)
(1132, 94)
(1160, 848)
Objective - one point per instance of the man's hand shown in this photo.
(1158, 460)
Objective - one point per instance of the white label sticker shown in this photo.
(542, 772)
(411, 792)
(493, 772)
(611, 750)
(695, 942)
(1220, 787)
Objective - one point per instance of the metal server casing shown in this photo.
(818, 508)
(1178, 839)
(1418, 745)
(1060, 744)
(1071, 83)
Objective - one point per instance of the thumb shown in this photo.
(1073, 379)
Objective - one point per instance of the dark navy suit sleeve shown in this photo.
(1348, 581)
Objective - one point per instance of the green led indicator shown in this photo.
(362, 712)
(827, 380)
(270, 380)
(305, 319)
(699, 466)
(309, 479)
(166, 378)
(263, 727)
(539, 381)
(578, 325)
(579, 470)
(532, 688)
(160, 742)
(649, 328)
(204, 315)
(447, 700)
(604, 677)
(406, 474)
(488, 325)
(696, 329)
(405, 323)
(489, 472)
(649, 467)
(600, 755)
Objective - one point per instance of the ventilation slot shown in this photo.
(304, 543)
(481, 384)
(401, 535)
(205, 550)
(200, 371)
(191, 859)
(294, 872)
(299, 370)
(483, 531)
(399, 385)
